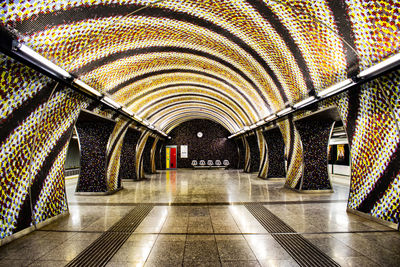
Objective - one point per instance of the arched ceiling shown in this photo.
(233, 62)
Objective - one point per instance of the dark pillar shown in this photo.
(315, 137)
(276, 153)
(93, 137)
(128, 152)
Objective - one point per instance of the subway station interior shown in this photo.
(200, 133)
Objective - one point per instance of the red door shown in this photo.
(173, 158)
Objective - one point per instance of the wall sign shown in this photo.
(184, 151)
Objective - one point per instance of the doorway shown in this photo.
(170, 157)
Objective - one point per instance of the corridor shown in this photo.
(203, 218)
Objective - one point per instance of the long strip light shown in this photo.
(270, 118)
(127, 111)
(110, 102)
(252, 126)
(87, 88)
(304, 102)
(138, 118)
(29, 53)
(336, 88)
(284, 111)
(380, 67)
(259, 123)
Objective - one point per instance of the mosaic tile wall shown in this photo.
(242, 59)
(33, 110)
(314, 136)
(128, 152)
(214, 144)
(276, 153)
(93, 137)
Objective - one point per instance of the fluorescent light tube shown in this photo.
(246, 128)
(304, 102)
(50, 65)
(242, 131)
(260, 123)
(87, 88)
(253, 126)
(380, 67)
(130, 113)
(284, 111)
(152, 127)
(273, 116)
(145, 122)
(137, 117)
(111, 102)
(335, 88)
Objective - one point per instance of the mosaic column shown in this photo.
(114, 148)
(93, 137)
(276, 153)
(128, 155)
(254, 153)
(314, 136)
(246, 154)
(158, 156)
(263, 150)
(139, 154)
(147, 154)
(371, 118)
(293, 153)
(153, 151)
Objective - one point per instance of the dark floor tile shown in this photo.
(201, 264)
(234, 250)
(199, 211)
(39, 263)
(240, 264)
(166, 252)
(201, 251)
(16, 263)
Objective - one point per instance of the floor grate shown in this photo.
(100, 252)
(301, 250)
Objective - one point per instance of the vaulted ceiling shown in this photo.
(233, 62)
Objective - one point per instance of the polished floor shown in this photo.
(199, 218)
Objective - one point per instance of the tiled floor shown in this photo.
(199, 220)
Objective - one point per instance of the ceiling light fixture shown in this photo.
(383, 66)
(270, 118)
(284, 111)
(336, 88)
(32, 55)
(130, 113)
(86, 88)
(110, 102)
(304, 102)
(259, 123)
